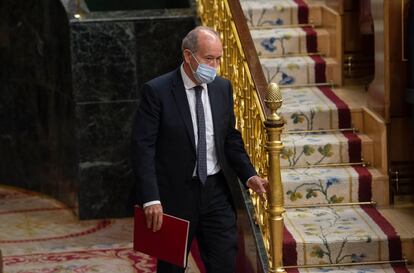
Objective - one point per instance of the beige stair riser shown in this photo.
(315, 15)
(316, 149)
(408, 249)
(356, 245)
(357, 119)
(322, 118)
(300, 70)
(280, 42)
(278, 13)
(315, 186)
(380, 191)
(313, 108)
(333, 71)
(336, 234)
(335, 185)
(375, 128)
(324, 42)
(367, 149)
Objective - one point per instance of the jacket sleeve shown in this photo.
(144, 136)
(234, 147)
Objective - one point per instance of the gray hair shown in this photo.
(190, 41)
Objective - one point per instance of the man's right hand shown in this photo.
(153, 215)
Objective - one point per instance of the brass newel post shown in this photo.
(274, 126)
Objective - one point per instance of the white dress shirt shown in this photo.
(213, 166)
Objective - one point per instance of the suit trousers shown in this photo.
(213, 224)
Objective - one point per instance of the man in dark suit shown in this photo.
(186, 151)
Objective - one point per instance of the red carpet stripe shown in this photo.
(31, 210)
(320, 68)
(354, 147)
(101, 225)
(303, 12)
(344, 114)
(311, 39)
(394, 242)
(365, 183)
(139, 262)
(400, 269)
(290, 256)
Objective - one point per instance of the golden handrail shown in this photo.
(251, 115)
(248, 106)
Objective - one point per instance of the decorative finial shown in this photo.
(273, 101)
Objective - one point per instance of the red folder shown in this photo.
(168, 244)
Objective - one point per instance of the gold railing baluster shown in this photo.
(274, 146)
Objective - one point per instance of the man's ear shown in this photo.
(187, 55)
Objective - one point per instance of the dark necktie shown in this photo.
(201, 146)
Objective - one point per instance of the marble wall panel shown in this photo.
(103, 129)
(105, 177)
(37, 148)
(106, 189)
(69, 89)
(159, 46)
(112, 59)
(104, 61)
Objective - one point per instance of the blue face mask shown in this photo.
(204, 73)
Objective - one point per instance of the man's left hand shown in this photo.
(258, 185)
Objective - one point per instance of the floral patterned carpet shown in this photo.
(354, 269)
(323, 159)
(39, 234)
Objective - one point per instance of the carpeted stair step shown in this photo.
(329, 185)
(293, 53)
(290, 41)
(302, 150)
(385, 268)
(281, 13)
(338, 235)
(301, 70)
(313, 108)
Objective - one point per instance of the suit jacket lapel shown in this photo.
(180, 96)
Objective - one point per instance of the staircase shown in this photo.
(331, 167)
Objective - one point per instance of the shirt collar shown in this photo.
(188, 83)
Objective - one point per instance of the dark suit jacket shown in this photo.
(163, 145)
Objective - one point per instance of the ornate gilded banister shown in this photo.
(240, 64)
